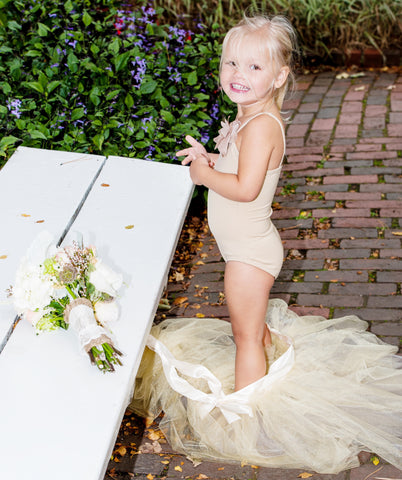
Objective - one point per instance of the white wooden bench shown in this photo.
(59, 415)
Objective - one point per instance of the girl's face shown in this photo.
(246, 74)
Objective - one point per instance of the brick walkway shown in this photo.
(338, 209)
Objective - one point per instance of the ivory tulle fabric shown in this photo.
(332, 390)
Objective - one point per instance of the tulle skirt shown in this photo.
(332, 390)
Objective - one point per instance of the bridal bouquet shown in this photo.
(58, 287)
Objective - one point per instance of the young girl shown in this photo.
(254, 74)
(335, 389)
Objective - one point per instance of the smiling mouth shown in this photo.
(239, 88)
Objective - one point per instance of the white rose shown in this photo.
(106, 312)
(105, 279)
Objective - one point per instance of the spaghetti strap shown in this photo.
(280, 124)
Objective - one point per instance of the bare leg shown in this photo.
(247, 291)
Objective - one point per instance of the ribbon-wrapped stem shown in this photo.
(93, 338)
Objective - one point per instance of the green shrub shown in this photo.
(84, 76)
(323, 26)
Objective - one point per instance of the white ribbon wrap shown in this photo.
(82, 319)
(232, 405)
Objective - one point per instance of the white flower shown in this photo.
(32, 290)
(106, 312)
(105, 279)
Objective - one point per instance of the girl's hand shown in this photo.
(192, 152)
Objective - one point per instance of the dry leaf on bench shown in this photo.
(129, 227)
(305, 475)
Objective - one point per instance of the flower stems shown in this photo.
(105, 357)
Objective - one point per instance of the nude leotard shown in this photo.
(243, 230)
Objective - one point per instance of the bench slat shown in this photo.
(70, 412)
(39, 189)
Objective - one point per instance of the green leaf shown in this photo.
(3, 110)
(121, 61)
(114, 46)
(98, 141)
(13, 25)
(94, 98)
(72, 62)
(129, 101)
(9, 140)
(33, 53)
(94, 49)
(68, 6)
(37, 134)
(43, 30)
(113, 94)
(148, 86)
(35, 86)
(5, 87)
(42, 79)
(168, 116)
(86, 18)
(52, 85)
(77, 113)
(192, 78)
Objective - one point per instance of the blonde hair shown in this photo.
(278, 42)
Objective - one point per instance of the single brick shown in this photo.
(389, 277)
(348, 232)
(355, 196)
(387, 328)
(296, 287)
(362, 289)
(330, 300)
(391, 253)
(338, 253)
(297, 130)
(320, 172)
(371, 264)
(385, 302)
(370, 314)
(346, 131)
(335, 276)
(349, 179)
(370, 243)
(306, 243)
(285, 213)
(305, 158)
(319, 137)
(353, 107)
(360, 222)
(341, 212)
(375, 204)
(350, 118)
(390, 212)
(323, 124)
(303, 265)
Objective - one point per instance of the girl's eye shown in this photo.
(231, 63)
(255, 67)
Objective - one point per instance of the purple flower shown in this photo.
(14, 107)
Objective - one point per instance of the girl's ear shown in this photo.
(281, 77)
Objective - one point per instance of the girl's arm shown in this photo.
(261, 141)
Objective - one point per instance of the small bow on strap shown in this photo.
(227, 134)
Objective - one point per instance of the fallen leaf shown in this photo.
(179, 300)
(201, 476)
(305, 475)
(375, 460)
(2, 257)
(150, 476)
(178, 469)
(391, 87)
(204, 255)
(165, 462)
(105, 185)
(223, 468)
(153, 435)
(342, 75)
(129, 227)
(397, 233)
(200, 262)
(25, 215)
(358, 89)
(39, 221)
(153, 447)
(178, 277)
(121, 451)
(200, 315)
